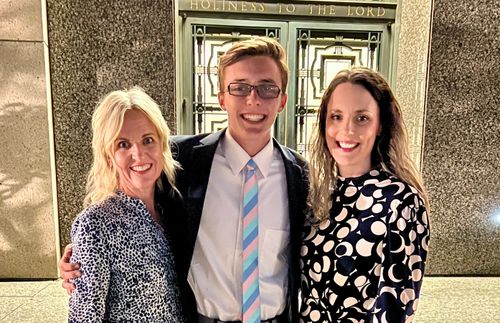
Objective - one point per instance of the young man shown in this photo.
(212, 243)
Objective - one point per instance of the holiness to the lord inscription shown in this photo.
(301, 9)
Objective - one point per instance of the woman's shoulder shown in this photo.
(391, 187)
(397, 180)
(402, 195)
(100, 213)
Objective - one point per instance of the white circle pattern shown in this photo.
(367, 262)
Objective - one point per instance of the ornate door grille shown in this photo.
(315, 56)
(320, 54)
(209, 42)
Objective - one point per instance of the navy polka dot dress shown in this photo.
(366, 262)
(126, 263)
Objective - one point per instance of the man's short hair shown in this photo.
(261, 46)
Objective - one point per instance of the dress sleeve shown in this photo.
(403, 262)
(88, 301)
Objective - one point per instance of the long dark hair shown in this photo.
(390, 150)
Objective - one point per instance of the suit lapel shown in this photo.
(295, 187)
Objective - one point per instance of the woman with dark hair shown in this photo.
(366, 241)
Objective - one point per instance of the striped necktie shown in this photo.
(251, 298)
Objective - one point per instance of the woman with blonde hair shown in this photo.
(365, 247)
(127, 267)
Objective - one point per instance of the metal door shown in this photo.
(316, 52)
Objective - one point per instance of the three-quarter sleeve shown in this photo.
(88, 301)
(403, 262)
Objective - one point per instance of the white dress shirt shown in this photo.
(215, 274)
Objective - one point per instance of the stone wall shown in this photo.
(96, 47)
(462, 138)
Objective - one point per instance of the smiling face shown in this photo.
(137, 155)
(251, 117)
(352, 125)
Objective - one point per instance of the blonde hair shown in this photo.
(107, 122)
(261, 46)
(390, 150)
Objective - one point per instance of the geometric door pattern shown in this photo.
(319, 55)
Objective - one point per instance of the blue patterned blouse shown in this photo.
(127, 265)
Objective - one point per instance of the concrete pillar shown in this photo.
(28, 216)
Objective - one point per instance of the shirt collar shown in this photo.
(237, 157)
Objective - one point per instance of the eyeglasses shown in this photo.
(265, 91)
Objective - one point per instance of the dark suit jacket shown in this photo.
(196, 153)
